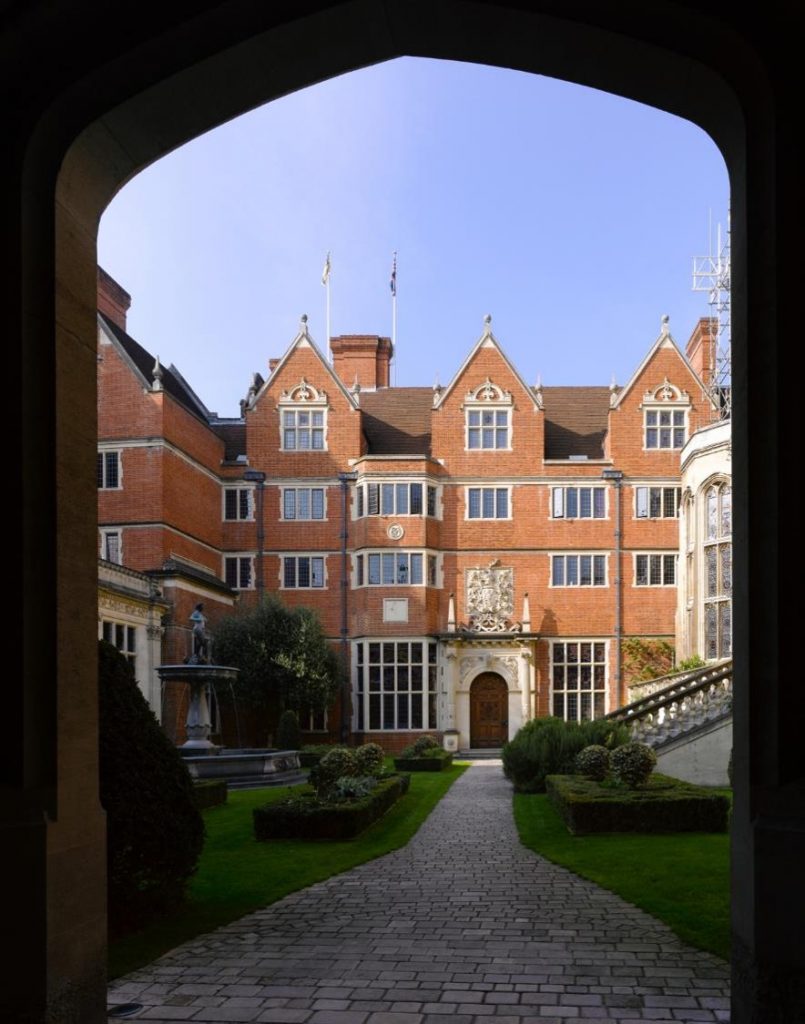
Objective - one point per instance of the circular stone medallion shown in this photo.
(396, 532)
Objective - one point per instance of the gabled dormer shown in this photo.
(487, 418)
(302, 419)
(656, 411)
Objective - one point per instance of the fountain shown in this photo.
(203, 758)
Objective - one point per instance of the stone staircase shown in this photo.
(678, 706)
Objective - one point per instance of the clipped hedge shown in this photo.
(662, 805)
(306, 817)
(210, 793)
(433, 760)
(549, 746)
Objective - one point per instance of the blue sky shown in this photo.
(570, 215)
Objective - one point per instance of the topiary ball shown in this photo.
(632, 764)
(593, 762)
(369, 759)
(340, 762)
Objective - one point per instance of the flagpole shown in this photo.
(394, 315)
(325, 280)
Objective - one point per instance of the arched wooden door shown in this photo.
(489, 711)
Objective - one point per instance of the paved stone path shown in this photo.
(463, 925)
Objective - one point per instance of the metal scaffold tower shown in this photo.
(711, 274)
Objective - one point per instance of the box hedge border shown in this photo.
(305, 817)
(428, 763)
(662, 805)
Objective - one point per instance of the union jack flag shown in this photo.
(393, 281)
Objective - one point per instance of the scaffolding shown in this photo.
(711, 274)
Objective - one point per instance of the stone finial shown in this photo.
(666, 325)
(356, 386)
(451, 614)
(526, 614)
(303, 324)
(156, 376)
(488, 322)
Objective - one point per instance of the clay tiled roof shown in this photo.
(173, 383)
(396, 421)
(576, 421)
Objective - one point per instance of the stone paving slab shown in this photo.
(463, 924)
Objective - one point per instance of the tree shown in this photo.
(154, 831)
(284, 659)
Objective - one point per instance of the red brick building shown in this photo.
(481, 551)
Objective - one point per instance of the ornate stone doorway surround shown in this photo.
(466, 658)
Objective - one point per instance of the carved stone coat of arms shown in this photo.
(490, 599)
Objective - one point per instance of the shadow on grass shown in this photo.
(237, 875)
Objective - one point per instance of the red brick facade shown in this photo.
(481, 533)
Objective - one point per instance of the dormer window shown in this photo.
(303, 418)
(488, 417)
(665, 412)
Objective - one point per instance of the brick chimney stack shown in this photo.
(363, 357)
(113, 301)
(701, 348)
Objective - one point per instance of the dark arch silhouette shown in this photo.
(90, 100)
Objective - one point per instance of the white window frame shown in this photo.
(578, 555)
(304, 399)
(103, 453)
(430, 566)
(129, 649)
(662, 488)
(310, 556)
(579, 690)
(240, 558)
(105, 535)
(490, 399)
(495, 490)
(667, 398)
(381, 489)
(239, 490)
(367, 684)
(660, 560)
(559, 501)
(296, 518)
(718, 542)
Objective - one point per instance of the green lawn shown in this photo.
(681, 878)
(237, 874)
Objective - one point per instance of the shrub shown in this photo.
(288, 735)
(155, 832)
(547, 746)
(422, 745)
(688, 664)
(312, 753)
(664, 805)
(369, 759)
(434, 759)
(351, 787)
(632, 764)
(593, 762)
(307, 817)
(338, 763)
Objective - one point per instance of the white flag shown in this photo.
(325, 274)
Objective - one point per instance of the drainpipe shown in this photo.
(345, 479)
(615, 477)
(256, 476)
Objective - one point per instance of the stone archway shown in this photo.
(489, 711)
(81, 127)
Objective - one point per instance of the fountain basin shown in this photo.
(224, 763)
